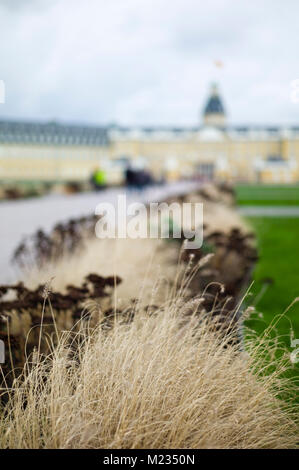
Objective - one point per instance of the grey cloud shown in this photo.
(147, 61)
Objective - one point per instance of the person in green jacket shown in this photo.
(99, 179)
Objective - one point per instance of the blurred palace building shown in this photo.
(58, 152)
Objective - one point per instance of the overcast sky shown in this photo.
(148, 61)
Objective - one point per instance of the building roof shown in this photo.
(52, 133)
(214, 104)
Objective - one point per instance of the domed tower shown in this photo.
(214, 114)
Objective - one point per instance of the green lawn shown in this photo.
(265, 195)
(278, 242)
(276, 275)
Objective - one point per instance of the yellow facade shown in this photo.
(48, 163)
(233, 157)
(212, 150)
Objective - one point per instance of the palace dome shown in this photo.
(214, 113)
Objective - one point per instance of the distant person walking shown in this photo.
(137, 179)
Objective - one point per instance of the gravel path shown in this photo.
(266, 211)
(23, 217)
